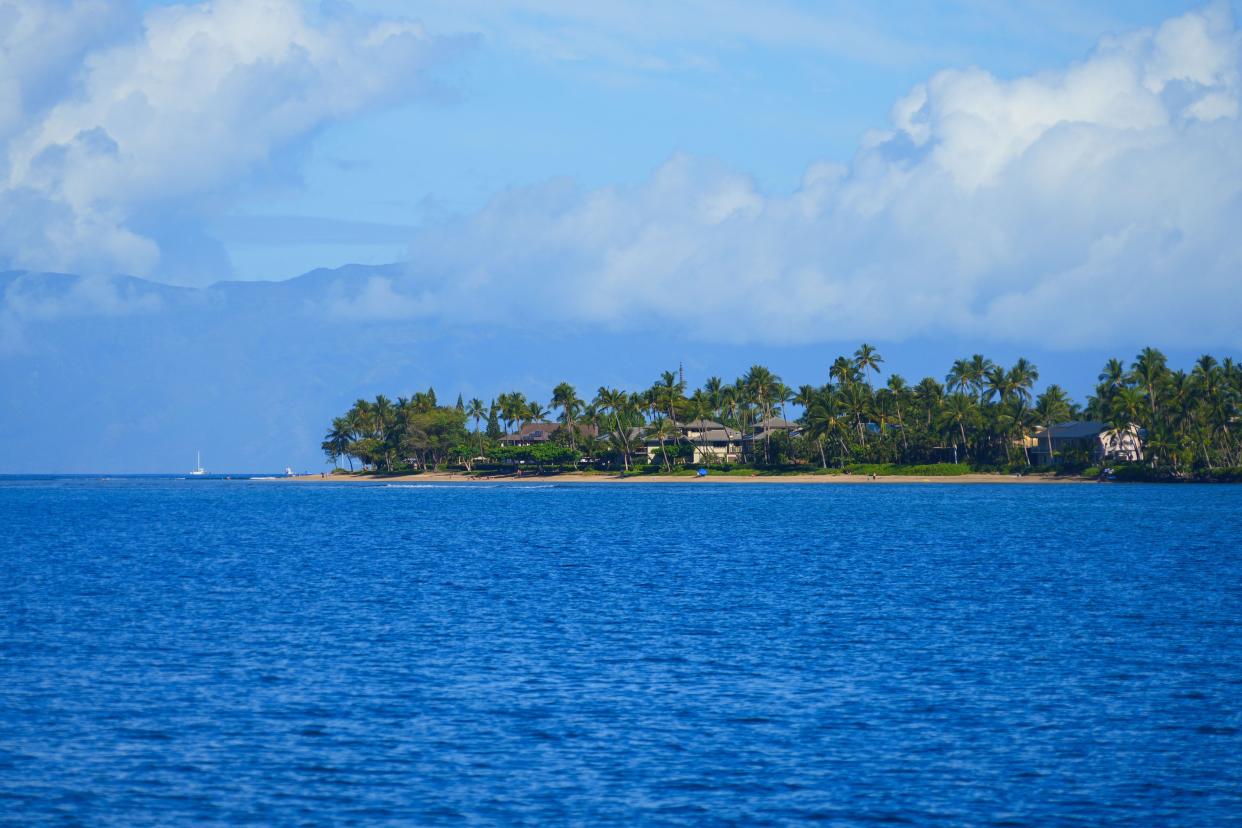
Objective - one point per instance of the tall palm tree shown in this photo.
(1022, 378)
(958, 378)
(901, 395)
(673, 391)
(699, 407)
(824, 420)
(616, 402)
(383, 415)
(867, 358)
(336, 441)
(714, 388)
(565, 397)
(977, 369)
(843, 370)
(1051, 407)
(928, 394)
(856, 399)
(1149, 370)
(998, 384)
(763, 387)
(664, 431)
(959, 411)
(476, 411)
(805, 396)
(535, 412)
(1114, 374)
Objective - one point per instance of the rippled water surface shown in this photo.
(183, 652)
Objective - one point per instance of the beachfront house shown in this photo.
(764, 430)
(712, 441)
(1089, 440)
(709, 442)
(532, 434)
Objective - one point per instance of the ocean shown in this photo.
(242, 652)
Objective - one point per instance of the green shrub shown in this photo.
(1140, 474)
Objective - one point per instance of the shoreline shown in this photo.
(577, 478)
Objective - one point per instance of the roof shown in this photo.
(775, 422)
(701, 425)
(1075, 431)
(540, 432)
(633, 434)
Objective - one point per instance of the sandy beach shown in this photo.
(575, 477)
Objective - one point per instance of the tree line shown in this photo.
(982, 413)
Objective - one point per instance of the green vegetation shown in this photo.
(983, 416)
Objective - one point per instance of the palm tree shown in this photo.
(958, 378)
(959, 410)
(536, 412)
(997, 384)
(1113, 375)
(977, 369)
(1149, 369)
(1051, 408)
(867, 358)
(336, 441)
(784, 395)
(763, 387)
(824, 421)
(671, 391)
(901, 394)
(857, 401)
(476, 411)
(509, 406)
(1022, 378)
(566, 399)
(928, 394)
(664, 430)
(714, 389)
(699, 407)
(843, 370)
(383, 415)
(616, 402)
(805, 396)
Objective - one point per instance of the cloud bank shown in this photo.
(1094, 205)
(118, 130)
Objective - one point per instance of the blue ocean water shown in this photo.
(188, 652)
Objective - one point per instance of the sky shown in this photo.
(618, 187)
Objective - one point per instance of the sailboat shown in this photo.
(199, 471)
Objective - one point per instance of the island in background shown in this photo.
(984, 423)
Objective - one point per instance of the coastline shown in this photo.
(576, 477)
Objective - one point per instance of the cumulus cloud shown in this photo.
(27, 298)
(105, 129)
(1091, 205)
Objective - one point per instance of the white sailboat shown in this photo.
(198, 469)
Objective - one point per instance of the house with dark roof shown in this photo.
(532, 434)
(1091, 437)
(764, 429)
(712, 442)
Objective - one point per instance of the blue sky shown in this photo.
(591, 192)
(594, 104)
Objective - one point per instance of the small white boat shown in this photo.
(199, 471)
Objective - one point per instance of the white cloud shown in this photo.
(171, 115)
(1086, 206)
(375, 300)
(658, 36)
(39, 298)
